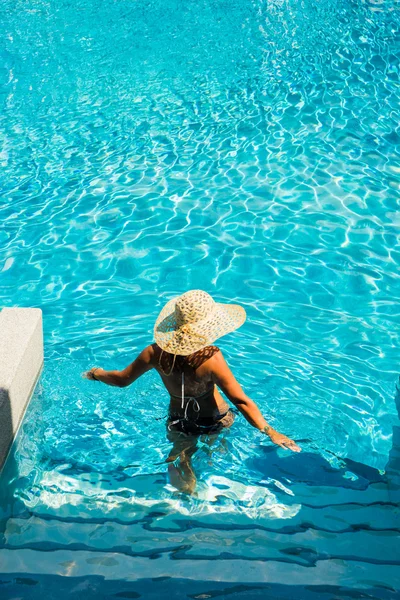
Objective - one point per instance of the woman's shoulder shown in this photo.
(197, 359)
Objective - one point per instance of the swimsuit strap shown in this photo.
(196, 405)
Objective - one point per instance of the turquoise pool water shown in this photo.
(251, 149)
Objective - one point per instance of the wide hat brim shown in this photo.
(188, 338)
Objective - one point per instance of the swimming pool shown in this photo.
(251, 149)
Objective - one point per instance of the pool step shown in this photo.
(306, 546)
(355, 574)
(134, 528)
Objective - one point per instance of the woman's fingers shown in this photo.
(293, 446)
(88, 374)
(284, 442)
(290, 445)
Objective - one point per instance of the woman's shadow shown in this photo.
(311, 468)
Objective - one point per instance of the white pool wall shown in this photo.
(21, 362)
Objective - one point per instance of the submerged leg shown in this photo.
(211, 438)
(182, 475)
(184, 446)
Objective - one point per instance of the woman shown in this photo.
(192, 370)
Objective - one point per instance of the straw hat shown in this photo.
(194, 320)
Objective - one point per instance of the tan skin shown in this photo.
(213, 372)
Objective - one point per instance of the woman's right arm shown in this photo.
(141, 364)
(224, 378)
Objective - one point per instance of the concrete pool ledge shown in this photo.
(21, 362)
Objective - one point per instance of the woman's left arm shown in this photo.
(141, 364)
(224, 378)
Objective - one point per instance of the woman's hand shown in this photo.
(283, 441)
(92, 374)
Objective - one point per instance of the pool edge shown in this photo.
(21, 364)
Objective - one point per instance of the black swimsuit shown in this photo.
(199, 425)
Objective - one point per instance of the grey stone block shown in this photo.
(21, 361)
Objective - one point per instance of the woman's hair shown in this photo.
(176, 363)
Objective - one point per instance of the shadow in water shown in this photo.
(392, 468)
(312, 469)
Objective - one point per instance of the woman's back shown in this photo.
(196, 375)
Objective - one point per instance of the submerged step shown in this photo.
(116, 566)
(305, 546)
